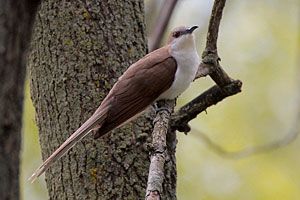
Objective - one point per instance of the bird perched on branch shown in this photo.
(162, 74)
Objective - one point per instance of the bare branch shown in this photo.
(209, 66)
(162, 23)
(224, 88)
(210, 55)
(208, 98)
(214, 23)
(158, 156)
(286, 140)
(161, 122)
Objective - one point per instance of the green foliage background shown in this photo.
(259, 43)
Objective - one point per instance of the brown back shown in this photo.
(137, 88)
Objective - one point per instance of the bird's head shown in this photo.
(182, 38)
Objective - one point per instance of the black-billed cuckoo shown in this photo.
(162, 74)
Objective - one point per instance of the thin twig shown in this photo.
(214, 23)
(210, 97)
(162, 23)
(210, 55)
(226, 86)
(249, 151)
(158, 156)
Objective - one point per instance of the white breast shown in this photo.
(187, 66)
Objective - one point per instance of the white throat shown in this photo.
(184, 51)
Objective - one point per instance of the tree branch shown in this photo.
(161, 122)
(225, 87)
(214, 23)
(208, 98)
(159, 146)
(210, 57)
(162, 23)
(210, 66)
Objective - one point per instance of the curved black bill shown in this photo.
(190, 30)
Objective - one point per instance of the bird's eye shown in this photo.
(176, 34)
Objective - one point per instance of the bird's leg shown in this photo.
(163, 105)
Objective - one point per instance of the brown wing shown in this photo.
(140, 86)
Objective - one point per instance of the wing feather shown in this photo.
(132, 94)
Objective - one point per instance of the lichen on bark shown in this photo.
(78, 50)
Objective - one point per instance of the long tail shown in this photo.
(95, 120)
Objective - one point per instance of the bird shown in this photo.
(161, 74)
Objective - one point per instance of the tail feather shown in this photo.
(95, 120)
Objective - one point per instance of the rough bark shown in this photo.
(161, 151)
(16, 19)
(78, 51)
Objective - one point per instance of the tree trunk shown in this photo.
(16, 19)
(78, 51)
